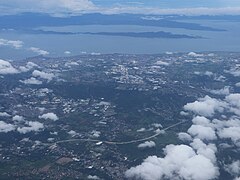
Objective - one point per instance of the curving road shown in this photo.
(116, 142)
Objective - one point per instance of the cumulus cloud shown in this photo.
(232, 133)
(223, 91)
(67, 52)
(93, 177)
(72, 133)
(70, 64)
(4, 127)
(18, 118)
(185, 137)
(7, 68)
(31, 80)
(147, 144)
(202, 132)
(180, 162)
(38, 51)
(233, 71)
(50, 116)
(237, 84)
(193, 54)
(162, 63)
(13, 44)
(96, 133)
(4, 114)
(234, 99)
(205, 150)
(206, 106)
(233, 168)
(208, 73)
(43, 75)
(31, 126)
(28, 67)
(234, 103)
(201, 120)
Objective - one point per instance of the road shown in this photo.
(119, 142)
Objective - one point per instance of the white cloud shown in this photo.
(201, 120)
(200, 168)
(43, 75)
(233, 168)
(172, 11)
(31, 126)
(193, 54)
(28, 67)
(13, 44)
(223, 91)
(31, 80)
(183, 113)
(38, 51)
(70, 64)
(185, 137)
(233, 71)
(4, 127)
(237, 84)
(18, 118)
(67, 52)
(180, 162)
(202, 132)
(55, 7)
(206, 106)
(96, 133)
(7, 68)
(157, 125)
(50, 116)
(162, 63)
(141, 130)
(208, 73)
(234, 103)
(205, 150)
(93, 177)
(234, 99)
(147, 144)
(72, 133)
(232, 133)
(4, 114)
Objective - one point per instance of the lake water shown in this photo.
(56, 45)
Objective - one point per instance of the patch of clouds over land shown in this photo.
(180, 162)
(206, 106)
(43, 75)
(11, 43)
(5, 127)
(38, 51)
(30, 126)
(19, 45)
(147, 144)
(32, 81)
(7, 68)
(197, 158)
(49, 116)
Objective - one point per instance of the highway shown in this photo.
(118, 142)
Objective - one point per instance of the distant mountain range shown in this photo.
(33, 20)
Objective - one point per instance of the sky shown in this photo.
(58, 7)
(171, 3)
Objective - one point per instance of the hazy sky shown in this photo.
(121, 6)
(171, 3)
